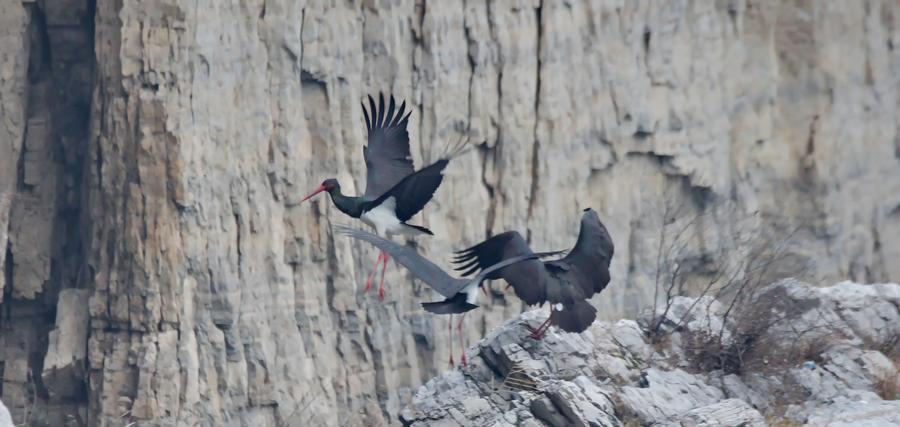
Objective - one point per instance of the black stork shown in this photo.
(394, 190)
(565, 283)
(460, 294)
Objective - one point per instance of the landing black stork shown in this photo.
(565, 283)
(394, 191)
(460, 294)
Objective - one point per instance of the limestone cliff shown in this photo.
(156, 264)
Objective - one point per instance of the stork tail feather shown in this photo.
(576, 318)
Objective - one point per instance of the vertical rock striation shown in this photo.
(152, 155)
(46, 81)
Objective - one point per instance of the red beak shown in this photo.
(317, 191)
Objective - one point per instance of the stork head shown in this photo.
(330, 185)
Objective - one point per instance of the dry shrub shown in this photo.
(891, 349)
(734, 273)
(706, 352)
(888, 385)
(761, 329)
(764, 330)
(765, 335)
(623, 413)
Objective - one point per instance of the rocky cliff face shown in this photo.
(831, 358)
(152, 155)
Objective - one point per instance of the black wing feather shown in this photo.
(414, 191)
(374, 112)
(390, 113)
(399, 116)
(387, 154)
(528, 278)
(587, 263)
(366, 115)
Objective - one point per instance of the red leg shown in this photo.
(383, 269)
(462, 338)
(539, 332)
(547, 324)
(544, 330)
(372, 274)
(450, 330)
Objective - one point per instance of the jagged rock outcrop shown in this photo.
(153, 153)
(817, 366)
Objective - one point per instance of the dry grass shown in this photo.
(777, 421)
(888, 385)
(891, 349)
(813, 349)
(626, 416)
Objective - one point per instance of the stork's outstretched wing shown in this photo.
(528, 278)
(587, 264)
(422, 268)
(387, 154)
(419, 266)
(415, 190)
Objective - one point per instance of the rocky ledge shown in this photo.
(794, 355)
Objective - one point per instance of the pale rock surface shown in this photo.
(5, 418)
(728, 412)
(154, 153)
(682, 392)
(844, 412)
(612, 374)
(64, 364)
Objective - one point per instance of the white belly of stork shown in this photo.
(471, 292)
(383, 218)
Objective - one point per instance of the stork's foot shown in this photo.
(381, 293)
(462, 360)
(536, 333)
(537, 336)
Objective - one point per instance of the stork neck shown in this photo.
(347, 204)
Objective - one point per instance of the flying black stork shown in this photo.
(565, 283)
(394, 190)
(460, 294)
